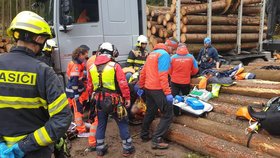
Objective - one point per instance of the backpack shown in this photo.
(269, 118)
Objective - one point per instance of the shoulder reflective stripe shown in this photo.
(12, 140)
(58, 105)
(75, 87)
(42, 137)
(74, 74)
(21, 103)
(140, 62)
(69, 90)
(17, 77)
(130, 61)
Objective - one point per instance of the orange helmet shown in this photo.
(242, 112)
(172, 42)
(160, 46)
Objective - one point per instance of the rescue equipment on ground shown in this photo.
(201, 94)
(192, 105)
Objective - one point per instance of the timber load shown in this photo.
(219, 133)
(161, 24)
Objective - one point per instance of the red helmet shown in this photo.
(172, 42)
(182, 50)
(160, 46)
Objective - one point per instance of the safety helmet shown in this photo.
(108, 48)
(182, 50)
(49, 45)
(160, 46)
(141, 39)
(207, 40)
(242, 112)
(30, 22)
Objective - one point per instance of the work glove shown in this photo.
(18, 153)
(3, 147)
(169, 98)
(140, 92)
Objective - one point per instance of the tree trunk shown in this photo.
(219, 29)
(219, 20)
(258, 142)
(202, 8)
(194, 48)
(196, 140)
(217, 38)
(228, 120)
(151, 23)
(155, 29)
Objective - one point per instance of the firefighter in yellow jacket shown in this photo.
(34, 110)
(137, 56)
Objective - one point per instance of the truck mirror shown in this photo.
(66, 19)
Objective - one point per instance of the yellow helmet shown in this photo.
(31, 22)
(49, 45)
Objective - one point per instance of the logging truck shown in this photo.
(92, 22)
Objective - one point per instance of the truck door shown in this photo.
(86, 29)
(120, 24)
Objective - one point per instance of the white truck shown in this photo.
(92, 22)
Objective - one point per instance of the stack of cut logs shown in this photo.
(219, 133)
(5, 44)
(161, 23)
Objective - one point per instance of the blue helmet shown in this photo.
(207, 40)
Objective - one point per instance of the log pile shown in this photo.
(219, 133)
(161, 24)
(5, 45)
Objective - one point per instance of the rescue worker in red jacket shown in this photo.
(75, 87)
(154, 78)
(183, 66)
(107, 80)
(34, 110)
(171, 44)
(137, 57)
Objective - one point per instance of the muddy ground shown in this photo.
(143, 150)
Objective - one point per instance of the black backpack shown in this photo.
(269, 118)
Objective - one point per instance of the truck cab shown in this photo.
(92, 22)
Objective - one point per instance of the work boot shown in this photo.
(103, 151)
(145, 138)
(159, 144)
(128, 152)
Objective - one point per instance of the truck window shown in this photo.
(45, 9)
(85, 11)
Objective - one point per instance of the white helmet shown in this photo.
(49, 45)
(141, 39)
(108, 48)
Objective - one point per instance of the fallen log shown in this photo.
(224, 108)
(155, 29)
(207, 144)
(202, 8)
(187, 2)
(249, 10)
(253, 92)
(236, 99)
(219, 20)
(151, 23)
(253, 83)
(194, 48)
(270, 75)
(228, 120)
(218, 29)
(261, 143)
(246, 2)
(264, 63)
(217, 38)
